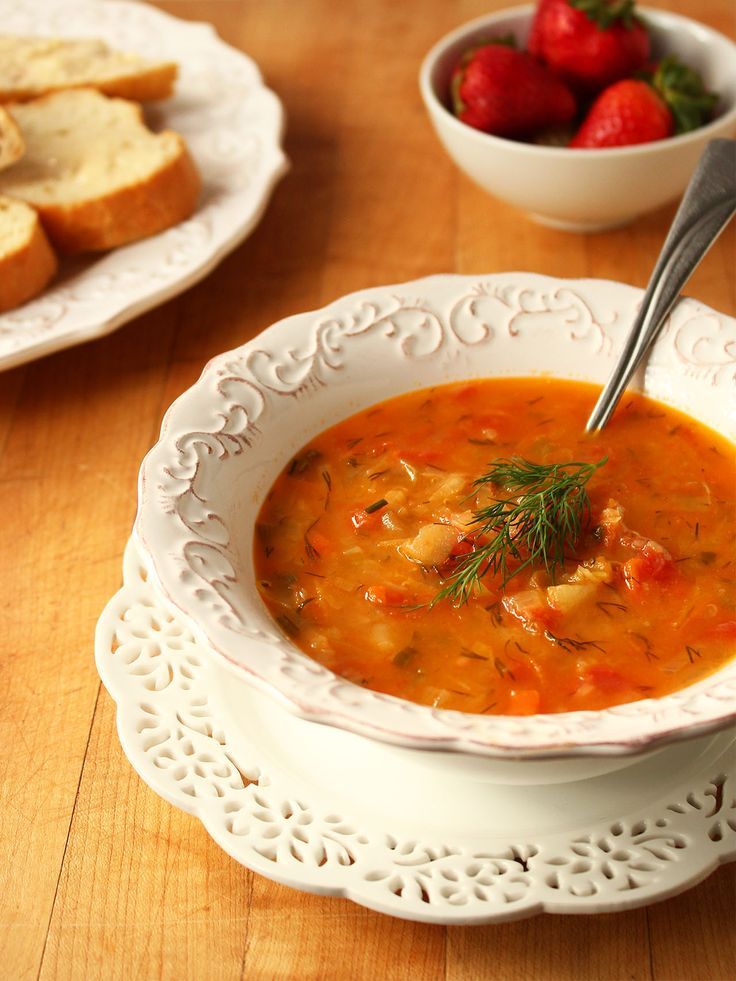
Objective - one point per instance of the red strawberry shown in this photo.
(673, 100)
(589, 43)
(508, 93)
(626, 112)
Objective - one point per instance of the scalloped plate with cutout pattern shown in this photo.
(327, 811)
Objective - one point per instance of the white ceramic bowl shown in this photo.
(582, 190)
(224, 441)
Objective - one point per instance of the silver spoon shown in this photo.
(705, 210)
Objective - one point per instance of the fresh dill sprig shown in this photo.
(538, 522)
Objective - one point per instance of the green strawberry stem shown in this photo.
(684, 92)
(605, 13)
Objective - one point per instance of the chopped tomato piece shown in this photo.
(653, 563)
(462, 547)
(612, 529)
(371, 519)
(523, 701)
(605, 678)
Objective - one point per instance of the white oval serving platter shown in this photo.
(233, 125)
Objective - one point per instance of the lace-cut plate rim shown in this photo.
(280, 797)
(233, 125)
(224, 441)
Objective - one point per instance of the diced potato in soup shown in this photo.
(431, 545)
(370, 521)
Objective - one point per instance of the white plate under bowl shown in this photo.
(233, 125)
(225, 440)
(333, 813)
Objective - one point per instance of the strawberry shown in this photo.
(589, 43)
(508, 93)
(672, 100)
(625, 113)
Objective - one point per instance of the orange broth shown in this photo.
(351, 586)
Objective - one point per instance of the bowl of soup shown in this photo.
(386, 514)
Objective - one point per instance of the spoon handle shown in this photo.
(705, 210)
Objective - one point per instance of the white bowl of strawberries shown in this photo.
(584, 113)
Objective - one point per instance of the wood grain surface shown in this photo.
(99, 877)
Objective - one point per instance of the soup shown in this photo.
(393, 550)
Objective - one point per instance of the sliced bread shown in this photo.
(11, 142)
(32, 66)
(97, 175)
(27, 261)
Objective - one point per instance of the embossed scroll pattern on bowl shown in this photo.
(195, 755)
(233, 125)
(224, 440)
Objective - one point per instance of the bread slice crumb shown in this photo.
(27, 261)
(11, 142)
(33, 66)
(97, 175)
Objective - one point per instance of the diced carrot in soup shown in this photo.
(371, 520)
(523, 701)
(605, 678)
(386, 596)
(726, 630)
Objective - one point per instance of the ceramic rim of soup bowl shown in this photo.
(225, 439)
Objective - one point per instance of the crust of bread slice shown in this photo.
(31, 67)
(97, 176)
(11, 141)
(151, 85)
(27, 261)
(128, 213)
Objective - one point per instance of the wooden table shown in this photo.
(100, 878)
